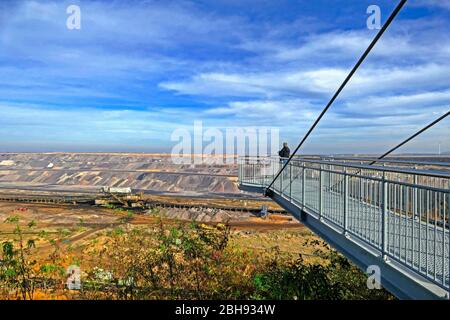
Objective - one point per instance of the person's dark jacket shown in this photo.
(284, 153)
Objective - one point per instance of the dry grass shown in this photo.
(76, 228)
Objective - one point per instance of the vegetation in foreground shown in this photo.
(183, 261)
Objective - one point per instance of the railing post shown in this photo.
(281, 178)
(320, 192)
(384, 234)
(448, 219)
(331, 168)
(303, 186)
(361, 181)
(263, 174)
(253, 172)
(415, 202)
(345, 201)
(239, 170)
(273, 171)
(290, 182)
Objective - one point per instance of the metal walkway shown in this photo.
(394, 218)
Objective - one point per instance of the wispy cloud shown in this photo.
(444, 4)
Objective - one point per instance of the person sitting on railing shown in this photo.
(284, 153)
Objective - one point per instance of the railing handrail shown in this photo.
(429, 173)
(368, 159)
(386, 160)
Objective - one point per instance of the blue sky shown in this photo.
(138, 70)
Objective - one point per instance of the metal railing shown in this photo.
(417, 164)
(402, 213)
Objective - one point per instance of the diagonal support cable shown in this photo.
(401, 144)
(341, 87)
(411, 137)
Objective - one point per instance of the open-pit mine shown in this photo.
(54, 186)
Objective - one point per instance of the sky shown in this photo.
(138, 70)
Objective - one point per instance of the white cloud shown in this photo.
(444, 4)
(344, 45)
(322, 81)
(425, 102)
